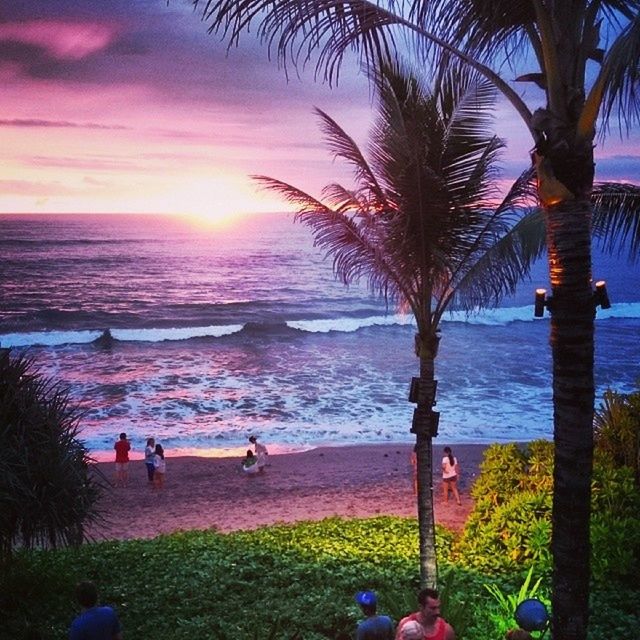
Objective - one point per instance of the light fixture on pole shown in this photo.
(540, 303)
(600, 296)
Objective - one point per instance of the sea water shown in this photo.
(223, 332)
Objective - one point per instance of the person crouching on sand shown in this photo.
(260, 451)
(159, 467)
(250, 463)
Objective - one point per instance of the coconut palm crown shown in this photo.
(583, 56)
(423, 225)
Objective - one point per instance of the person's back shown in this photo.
(374, 626)
(94, 623)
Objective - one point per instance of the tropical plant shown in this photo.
(422, 226)
(503, 616)
(617, 430)
(47, 493)
(583, 56)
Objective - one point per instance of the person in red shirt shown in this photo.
(434, 627)
(122, 447)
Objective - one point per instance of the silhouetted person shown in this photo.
(374, 626)
(94, 623)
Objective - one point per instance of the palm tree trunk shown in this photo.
(572, 344)
(423, 427)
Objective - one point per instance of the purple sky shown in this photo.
(129, 106)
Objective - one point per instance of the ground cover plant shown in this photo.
(281, 582)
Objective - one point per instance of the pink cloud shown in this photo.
(62, 40)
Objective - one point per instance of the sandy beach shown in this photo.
(349, 481)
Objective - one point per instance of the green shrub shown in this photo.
(617, 430)
(510, 526)
(46, 492)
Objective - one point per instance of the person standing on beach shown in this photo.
(450, 475)
(94, 623)
(149, 452)
(260, 451)
(122, 447)
(435, 627)
(159, 467)
(374, 626)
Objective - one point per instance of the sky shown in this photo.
(130, 106)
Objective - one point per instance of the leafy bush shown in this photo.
(617, 430)
(46, 492)
(275, 582)
(510, 526)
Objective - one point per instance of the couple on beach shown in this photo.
(255, 462)
(155, 463)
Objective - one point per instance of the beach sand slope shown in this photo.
(349, 481)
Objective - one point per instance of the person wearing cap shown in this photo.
(374, 626)
(94, 623)
(435, 627)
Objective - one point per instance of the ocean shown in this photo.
(223, 332)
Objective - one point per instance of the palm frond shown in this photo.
(297, 29)
(621, 71)
(616, 217)
(502, 250)
(485, 29)
(352, 246)
(343, 146)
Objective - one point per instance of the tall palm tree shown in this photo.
(422, 226)
(584, 56)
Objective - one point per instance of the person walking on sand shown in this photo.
(122, 447)
(450, 475)
(435, 627)
(374, 626)
(149, 452)
(94, 623)
(260, 451)
(159, 467)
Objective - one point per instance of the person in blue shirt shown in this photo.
(94, 623)
(374, 626)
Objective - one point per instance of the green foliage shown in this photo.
(278, 582)
(510, 526)
(46, 492)
(617, 430)
(503, 615)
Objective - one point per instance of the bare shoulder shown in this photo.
(449, 633)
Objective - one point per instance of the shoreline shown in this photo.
(214, 493)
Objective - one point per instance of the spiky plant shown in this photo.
(47, 494)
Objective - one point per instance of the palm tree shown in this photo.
(422, 226)
(585, 59)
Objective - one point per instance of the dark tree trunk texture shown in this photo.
(572, 344)
(424, 474)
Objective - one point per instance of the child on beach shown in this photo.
(149, 452)
(450, 475)
(159, 467)
(250, 463)
(260, 451)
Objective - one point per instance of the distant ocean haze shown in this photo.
(225, 332)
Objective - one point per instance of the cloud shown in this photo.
(32, 188)
(36, 122)
(622, 168)
(60, 40)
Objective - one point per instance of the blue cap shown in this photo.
(366, 598)
(531, 615)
